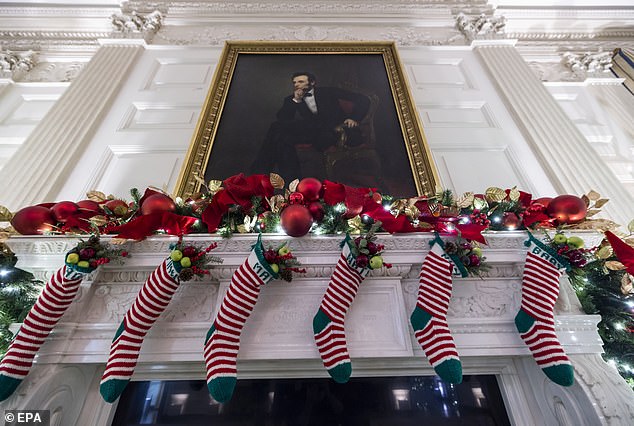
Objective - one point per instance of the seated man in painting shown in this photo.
(311, 116)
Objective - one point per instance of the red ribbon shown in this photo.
(143, 226)
(622, 250)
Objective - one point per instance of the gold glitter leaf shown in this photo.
(277, 181)
(293, 185)
(514, 194)
(614, 265)
(626, 285)
(600, 203)
(5, 214)
(98, 220)
(604, 252)
(593, 195)
(494, 194)
(96, 196)
(214, 186)
(465, 200)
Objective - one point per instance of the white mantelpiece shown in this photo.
(278, 342)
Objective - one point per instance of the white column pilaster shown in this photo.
(616, 99)
(40, 166)
(571, 163)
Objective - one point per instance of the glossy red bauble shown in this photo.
(118, 207)
(157, 203)
(296, 220)
(89, 206)
(317, 211)
(33, 220)
(567, 209)
(63, 210)
(510, 220)
(296, 198)
(310, 188)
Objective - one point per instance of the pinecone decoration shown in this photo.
(186, 274)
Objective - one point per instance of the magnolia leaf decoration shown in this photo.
(96, 196)
(592, 212)
(494, 194)
(5, 214)
(214, 186)
(248, 225)
(630, 226)
(514, 194)
(356, 224)
(98, 220)
(480, 204)
(277, 181)
(465, 200)
(293, 185)
(600, 203)
(626, 285)
(614, 265)
(276, 202)
(604, 252)
(593, 195)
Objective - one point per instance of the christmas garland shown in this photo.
(263, 203)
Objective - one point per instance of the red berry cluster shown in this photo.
(283, 262)
(479, 218)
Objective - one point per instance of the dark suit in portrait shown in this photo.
(313, 117)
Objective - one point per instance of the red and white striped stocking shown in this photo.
(222, 342)
(151, 301)
(328, 323)
(58, 293)
(429, 318)
(535, 320)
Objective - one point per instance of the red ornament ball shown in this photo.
(317, 211)
(33, 220)
(296, 220)
(89, 206)
(510, 220)
(567, 209)
(118, 207)
(310, 188)
(296, 198)
(63, 210)
(157, 203)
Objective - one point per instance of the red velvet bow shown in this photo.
(238, 189)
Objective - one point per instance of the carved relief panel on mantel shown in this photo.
(481, 311)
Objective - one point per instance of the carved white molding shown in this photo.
(43, 161)
(132, 22)
(16, 65)
(555, 139)
(54, 72)
(586, 64)
(481, 27)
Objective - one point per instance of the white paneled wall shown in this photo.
(143, 140)
(473, 138)
(586, 104)
(22, 106)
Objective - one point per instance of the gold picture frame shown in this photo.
(251, 79)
